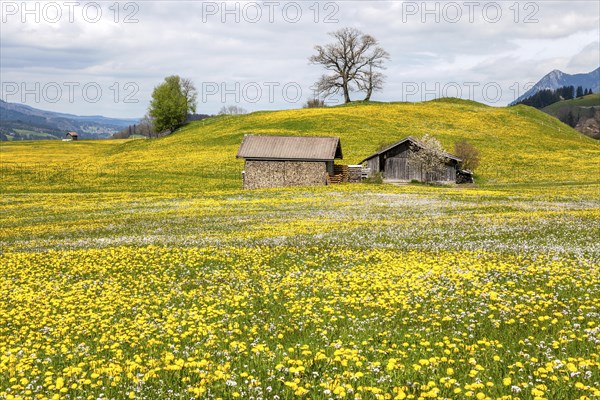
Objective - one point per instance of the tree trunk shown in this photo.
(369, 92)
(346, 91)
(346, 94)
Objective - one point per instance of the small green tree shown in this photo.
(468, 154)
(171, 102)
(570, 119)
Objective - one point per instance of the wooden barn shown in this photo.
(71, 135)
(392, 162)
(279, 161)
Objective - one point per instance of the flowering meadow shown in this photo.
(141, 270)
(360, 292)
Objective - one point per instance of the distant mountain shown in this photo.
(557, 79)
(20, 122)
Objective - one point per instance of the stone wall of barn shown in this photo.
(269, 174)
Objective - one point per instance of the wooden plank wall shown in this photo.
(398, 168)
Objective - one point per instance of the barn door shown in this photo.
(396, 168)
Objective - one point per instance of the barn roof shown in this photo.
(306, 148)
(411, 139)
(72, 133)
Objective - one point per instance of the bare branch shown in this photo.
(352, 58)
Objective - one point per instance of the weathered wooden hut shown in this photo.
(279, 161)
(71, 135)
(392, 162)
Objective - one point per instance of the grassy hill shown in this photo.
(518, 145)
(583, 113)
(587, 101)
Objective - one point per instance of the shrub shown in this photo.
(468, 153)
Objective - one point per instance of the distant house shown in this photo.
(71, 135)
(392, 162)
(279, 161)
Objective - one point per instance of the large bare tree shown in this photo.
(353, 60)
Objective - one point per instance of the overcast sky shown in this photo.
(104, 58)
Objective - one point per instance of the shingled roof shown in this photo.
(412, 140)
(306, 148)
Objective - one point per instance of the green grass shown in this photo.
(517, 144)
(140, 269)
(39, 135)
(408, 289)
(590, 100)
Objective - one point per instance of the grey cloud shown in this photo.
(177, 38)
(589, 55)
